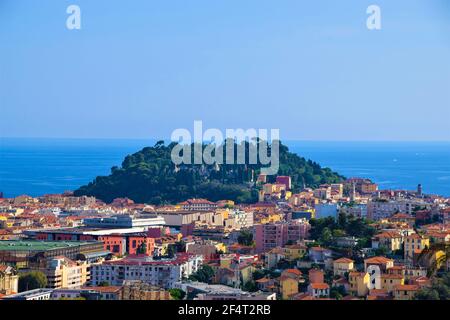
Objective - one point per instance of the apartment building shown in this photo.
(162, 272)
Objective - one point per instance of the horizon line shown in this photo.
(169, 140)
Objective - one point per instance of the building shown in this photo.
(204, 291)
(125, 221)
(32, 253)
(88, 293)
(323, 193)
(356, 210)
(36, 294)
(319, 290)
(272, 235)
(405, 291)
(390, 281)
(294, 251)
(285, 180)
(415, 243)
(382, 262)
(320, 255)
(316, 276)
(160, 272)
(62, 272)
(342, 266)
(198, 205)
(239, 219)
(289, 281)
(9, 280)
(361, 185)
(359, 283)
(391, 240)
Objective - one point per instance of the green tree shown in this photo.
(204, 274)
(250, 286)
(337, 292)
(103, 284)
(32, 280)
(245, 238)
(439, 289)
(150, 176)
(326, 237)
(177, 294)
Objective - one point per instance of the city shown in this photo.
(206, 159)
(340, 241)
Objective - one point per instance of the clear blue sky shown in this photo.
(142, 68)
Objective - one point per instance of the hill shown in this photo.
(150, 176)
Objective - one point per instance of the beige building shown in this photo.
(390, 281)
(405, 291)
(391, 240)
(9, 280)
(342, 266)
(62, 272)
(415, 244)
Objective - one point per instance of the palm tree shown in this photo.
(435, 256)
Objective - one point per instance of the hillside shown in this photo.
(149, 176)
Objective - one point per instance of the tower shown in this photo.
(419, 189)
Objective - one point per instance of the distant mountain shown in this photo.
(150, 176)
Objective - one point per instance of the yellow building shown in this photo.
(391, 240)
(359, 283)
(294, 252)
(342, 266)
(389, 281)
(415, 243)
(289, 283)
(271, 218)
(405, 291)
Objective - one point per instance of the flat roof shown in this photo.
(36, 245)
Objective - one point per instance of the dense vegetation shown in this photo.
(32, 280)
(326, 230)
(150, 176)
(439, 289)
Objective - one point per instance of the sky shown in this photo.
(141, 69)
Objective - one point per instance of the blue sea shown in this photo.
(40, 166)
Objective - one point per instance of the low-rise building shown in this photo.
(319, 290)
(405, 291)
(36, 294)
(342, 266)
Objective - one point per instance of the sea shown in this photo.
(45, 166)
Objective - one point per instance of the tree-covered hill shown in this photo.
(150, 176)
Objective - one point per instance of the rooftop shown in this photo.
(35, 245)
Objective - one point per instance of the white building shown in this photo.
(36, 294)
(163, 273)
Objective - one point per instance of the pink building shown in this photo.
(272, 235)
